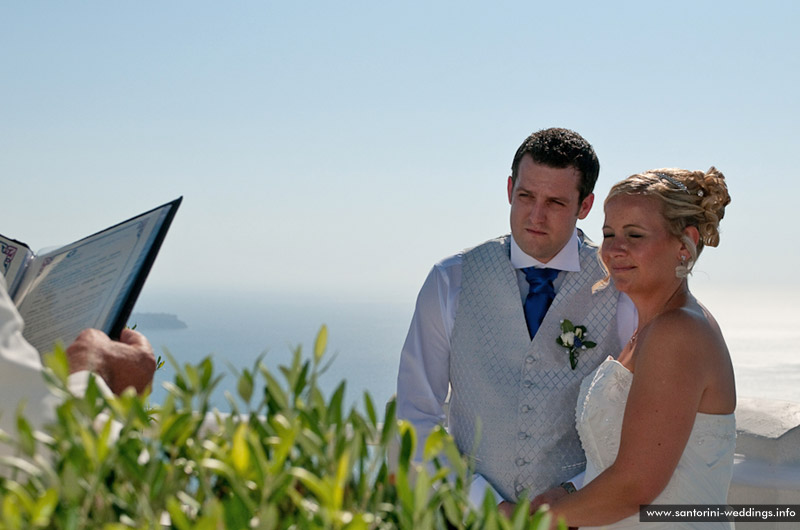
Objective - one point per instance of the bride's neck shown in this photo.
(650, 305)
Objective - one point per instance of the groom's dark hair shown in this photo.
(561, 148)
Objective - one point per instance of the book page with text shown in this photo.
(81, 285)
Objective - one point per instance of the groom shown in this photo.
(486, 323)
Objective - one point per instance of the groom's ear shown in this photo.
(585, 206)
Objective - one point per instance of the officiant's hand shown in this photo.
(128, 362)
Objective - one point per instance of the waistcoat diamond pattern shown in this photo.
(512, 405)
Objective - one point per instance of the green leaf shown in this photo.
(20, 494)
(301, 378)
(20, 464)
(236, 512)
(389, 423)
(176, 427)
(311, 443)
(274, 390)
(404, 496)
(245, 386)
(102, 442)
(283, 442)
(193, 377)
(359, 522)
(12, 515)
(573, 358)
(490, 513)
(178, 518)
(422, 492)
(27, 442)
(342, 474)
(408, 443)
(321, 343)
(370, 408)
(44, 508)
(315, 485)
(520, 516)
(452, 511)
(334, 415)
(434, 445)
(71, 483)
(218, 466)
(57, 362)
(240, 452)
(543, 519)
(207, 366)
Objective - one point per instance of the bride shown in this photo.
(657, 423)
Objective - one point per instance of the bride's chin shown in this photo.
(623, 285)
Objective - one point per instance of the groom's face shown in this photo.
(545, 205)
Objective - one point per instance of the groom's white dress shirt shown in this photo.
(423, 378)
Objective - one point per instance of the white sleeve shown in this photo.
(423, 379)
(478, 489)
(21, 382)
(21, 379)
(577, 480)
(13, 346)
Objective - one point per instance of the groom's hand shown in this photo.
(548, 497)
(506, 508)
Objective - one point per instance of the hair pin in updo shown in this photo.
(675, 182)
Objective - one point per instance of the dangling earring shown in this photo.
(682, 270)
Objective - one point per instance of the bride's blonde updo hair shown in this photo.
(688, 198)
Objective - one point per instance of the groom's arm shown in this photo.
(423, 379)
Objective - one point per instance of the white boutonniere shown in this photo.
(573, 338)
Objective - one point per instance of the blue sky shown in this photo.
(345, 147)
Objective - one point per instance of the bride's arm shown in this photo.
(659, 416)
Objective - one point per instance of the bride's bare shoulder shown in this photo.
(680, 333)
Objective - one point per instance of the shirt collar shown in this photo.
(567, 259)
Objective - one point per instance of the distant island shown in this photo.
(156, 321)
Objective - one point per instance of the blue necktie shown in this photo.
(540, 295)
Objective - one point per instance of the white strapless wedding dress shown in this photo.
(704, 470)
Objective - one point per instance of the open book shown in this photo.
(92, 283)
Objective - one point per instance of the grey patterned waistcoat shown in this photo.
(512, 404)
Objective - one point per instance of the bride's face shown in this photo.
(638, 250)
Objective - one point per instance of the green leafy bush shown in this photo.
(286, 457)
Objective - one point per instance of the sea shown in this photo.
(365, 336)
